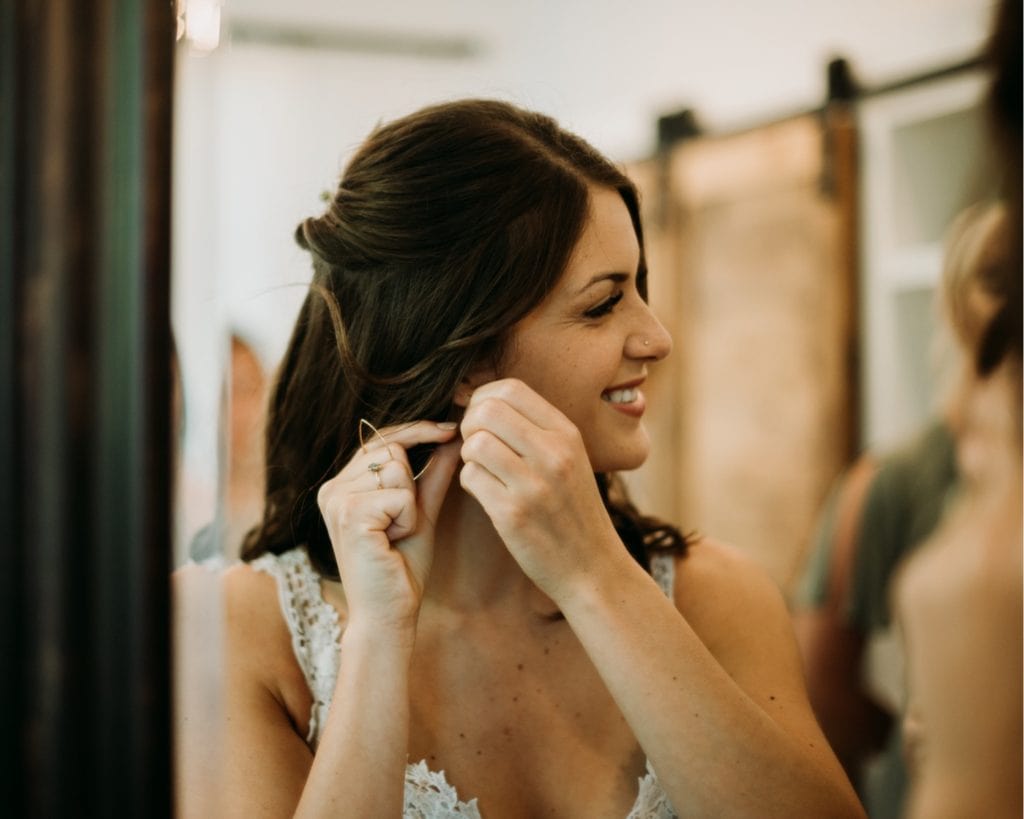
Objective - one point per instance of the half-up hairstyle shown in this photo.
(449, 226)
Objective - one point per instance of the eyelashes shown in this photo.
(605, 307)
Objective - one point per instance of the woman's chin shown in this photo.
(622, 460)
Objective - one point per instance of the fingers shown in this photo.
(526, 401)
(388, 510)
(394, 514)
(400, 506)
(391, 474)
(480, 482)
(375, 491)
(512, 431)
(493, 414)
(390, 444)
(486, 450)
(406, 435)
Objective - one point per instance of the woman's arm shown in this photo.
(714, 693)
(714, 690)
(359, 768)
(381, 526)
(832, 648)
(265, 759)
(269, 769)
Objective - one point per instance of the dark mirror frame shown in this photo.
(85, 405)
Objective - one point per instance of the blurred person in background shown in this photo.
(492, 629)
(241, 421)
(883, 508)
(961, 598)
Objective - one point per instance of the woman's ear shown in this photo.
(463, 392)
(478, 376)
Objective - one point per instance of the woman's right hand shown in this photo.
(381, 523)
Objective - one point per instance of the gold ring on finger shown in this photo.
(375, 468)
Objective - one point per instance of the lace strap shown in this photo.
(313, 625)
(663, 570)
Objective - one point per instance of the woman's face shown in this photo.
(587, 346)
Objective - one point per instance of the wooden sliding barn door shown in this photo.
(751, 245)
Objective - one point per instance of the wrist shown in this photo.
(602, 582)
(364, 634)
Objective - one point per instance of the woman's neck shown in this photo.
(472, 569)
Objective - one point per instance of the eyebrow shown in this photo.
(618, 278)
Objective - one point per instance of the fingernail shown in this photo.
(446, 425)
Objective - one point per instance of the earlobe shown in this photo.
(482, 372)
(463, 393)
(477, 377)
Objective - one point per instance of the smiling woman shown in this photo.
(520, 634)
(587, 346)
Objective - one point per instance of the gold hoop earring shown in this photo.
(363, 425)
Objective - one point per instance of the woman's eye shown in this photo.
(605, 307)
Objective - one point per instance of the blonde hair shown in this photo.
(971, 292)
(977, 245)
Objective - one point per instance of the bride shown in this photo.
(448, 609)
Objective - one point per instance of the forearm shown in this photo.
(716, 750)
(359, 766)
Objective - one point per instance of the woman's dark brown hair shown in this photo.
(449, 226)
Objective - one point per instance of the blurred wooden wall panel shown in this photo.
(752, 246)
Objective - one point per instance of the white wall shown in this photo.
(261, 131)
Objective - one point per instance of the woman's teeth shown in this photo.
(620, 396)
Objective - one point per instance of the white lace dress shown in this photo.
(316, 637)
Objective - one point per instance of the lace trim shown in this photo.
(663, 570)
(313, 624)
(651, 799)
(316, 638)
(428, 795)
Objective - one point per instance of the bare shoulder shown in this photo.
(239, 608)
(739, 613)
(237, 605)
(727, 598)
(244, 716)
(240, 581)
(715, 561)
(250, 597)
(716, 578)
(234, 672)
(973, 561)
(255, 631)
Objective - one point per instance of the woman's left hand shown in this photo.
(526, 464)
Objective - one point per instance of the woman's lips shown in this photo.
(627, 400)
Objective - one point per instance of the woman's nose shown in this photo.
(650, 339)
